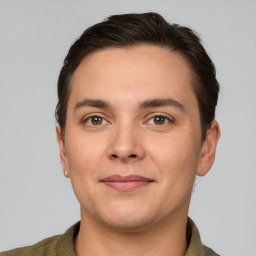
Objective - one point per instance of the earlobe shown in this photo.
(63, 156)
(208, 151)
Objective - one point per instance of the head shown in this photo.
(128, 30)
(136, 120)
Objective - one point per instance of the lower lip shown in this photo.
(127, 185)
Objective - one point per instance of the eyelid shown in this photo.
(88, 116)
(169, 118)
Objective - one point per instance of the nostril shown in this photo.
(115, 156)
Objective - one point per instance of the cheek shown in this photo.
(85, 167)
(84, 155)
(176, 156)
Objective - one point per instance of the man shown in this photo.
(137, 98)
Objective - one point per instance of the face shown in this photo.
(132, 145)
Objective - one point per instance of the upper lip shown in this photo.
(120, 178)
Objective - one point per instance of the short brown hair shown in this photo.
(129, 30)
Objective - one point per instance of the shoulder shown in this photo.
(53, 246)
(44, 247)
(196, 248)
(209, 252)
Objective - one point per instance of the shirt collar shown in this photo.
(195, 246)
(65, 244)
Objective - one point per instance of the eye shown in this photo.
(159, 120)
(95, 120)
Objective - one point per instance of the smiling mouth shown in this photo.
(126, 183)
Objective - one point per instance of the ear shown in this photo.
(208, 150)
(63, 155)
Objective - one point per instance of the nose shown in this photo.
(126, 145)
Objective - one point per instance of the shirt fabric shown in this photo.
(62, 245)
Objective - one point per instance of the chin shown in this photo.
(129, 224)
(129, 220)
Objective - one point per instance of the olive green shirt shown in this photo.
(62, 245)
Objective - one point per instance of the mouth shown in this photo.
(126, 183)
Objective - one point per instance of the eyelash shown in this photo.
(85, 120)
(166, 119)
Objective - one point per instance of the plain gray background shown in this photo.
(36, 200)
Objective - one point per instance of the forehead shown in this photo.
(139, 71)
(134, 58)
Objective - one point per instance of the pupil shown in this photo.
(96, 120)
(159, 120)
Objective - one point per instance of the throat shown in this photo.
(93, 240)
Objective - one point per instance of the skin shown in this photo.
(132, 135)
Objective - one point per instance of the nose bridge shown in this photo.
(125, 142)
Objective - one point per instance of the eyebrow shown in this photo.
(92, 103)
(161, 103)
(145, 104)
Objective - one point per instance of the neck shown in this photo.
(167, 237)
